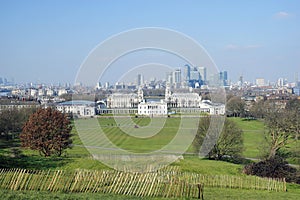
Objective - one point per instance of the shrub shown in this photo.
(275, 167)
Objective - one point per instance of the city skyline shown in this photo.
(48, 41)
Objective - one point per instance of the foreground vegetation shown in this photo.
(209, 193)
(79, 158)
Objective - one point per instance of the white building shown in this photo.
(49, 92)
(62, 91)
(212, 108)
(182, 100)
(152, 108)
(260, 82)
(78, 108)
(121, 100)
(192, 103)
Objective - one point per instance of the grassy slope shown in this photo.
(79, 157)
(209, 193)
(253, 136)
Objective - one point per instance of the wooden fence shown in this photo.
(104, 181)
(163, 183)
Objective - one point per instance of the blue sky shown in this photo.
(47, 40)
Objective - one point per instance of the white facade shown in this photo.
(213, 108)
(62, 91)
(192, 103)
(152, 108)
(79, 108)
(182, 100)
(49, 92)
(120, 100)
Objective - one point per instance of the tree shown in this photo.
(47, 131)
(283, 128)
(235, 106)
(293, 106)
(12, 120)
(258, 109)
(229, 143)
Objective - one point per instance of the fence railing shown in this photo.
(103, 181)
(163, 183)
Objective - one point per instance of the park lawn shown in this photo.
(210, 167)
(79, 158)
(253, 135)
(293, 193)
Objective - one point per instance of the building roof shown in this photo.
(78, 102)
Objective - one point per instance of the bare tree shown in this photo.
(282, 125)
(229, 143)
(235, 106)
(47, 131)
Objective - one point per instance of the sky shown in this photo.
(47, 41)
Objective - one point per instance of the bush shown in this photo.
(275, 167)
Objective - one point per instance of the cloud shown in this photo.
(232, 47)
(242, 47)
(282, 15)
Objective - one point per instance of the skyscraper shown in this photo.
(140, 80)
(223, 78)
(202, 71)
(177, 76)
(187, 72)
(169, 77)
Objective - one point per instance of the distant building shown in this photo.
(177, 78)
(140, 80)
(193, 77)
(260, 82)
(296, 91)
(19, 105)
(78, 108)
(187, 72)
(121, 100)
(189, 102)
(152, 108)
(202, 71)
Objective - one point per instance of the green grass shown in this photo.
(210, 167)
(253, 133)
(79, 157)
(139, 145)
(293, 193)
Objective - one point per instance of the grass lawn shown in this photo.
(293, 193)
(253, 133)
(79, 157)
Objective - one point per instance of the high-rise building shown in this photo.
(140, 80)
(106, 85)
(169, 77)
(223, 78)
(241, 79)
(187, 72)
(280, 82)
(202, 71)
(195, 75)
(177, 78)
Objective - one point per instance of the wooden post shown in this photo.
(200, 191)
